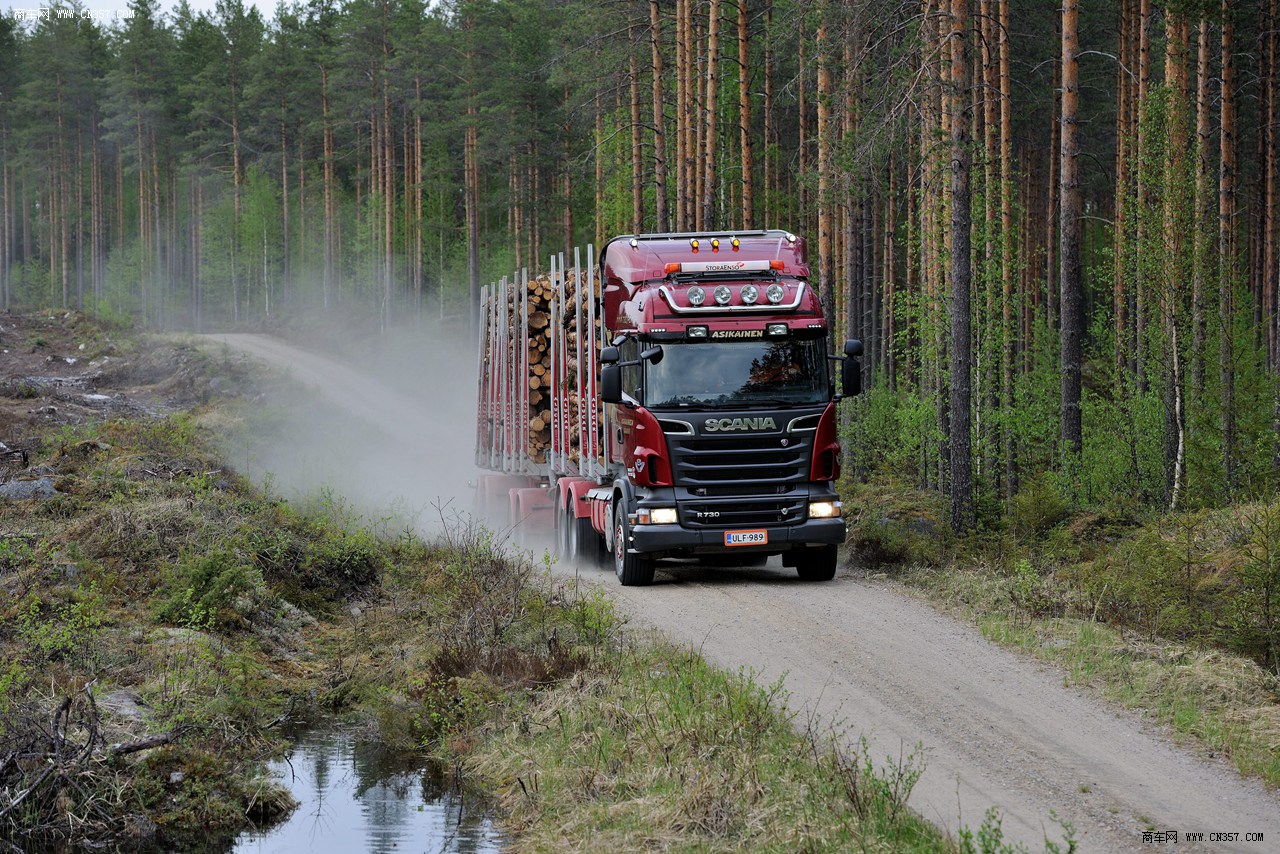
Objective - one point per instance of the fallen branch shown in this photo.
(160, 738)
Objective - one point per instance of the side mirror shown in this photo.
(851, 368)
(610, 382)
(609, 356)
(652, 354)
(851, 377)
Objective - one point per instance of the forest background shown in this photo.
(1054, 227)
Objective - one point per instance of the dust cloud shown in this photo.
(383, 426)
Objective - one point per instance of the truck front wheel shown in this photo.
(634, 570)
(816, 564)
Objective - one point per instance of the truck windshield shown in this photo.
(738, 373)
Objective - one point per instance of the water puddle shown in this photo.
(356, 796)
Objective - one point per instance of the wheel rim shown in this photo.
(619, 545)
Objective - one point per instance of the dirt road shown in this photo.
(996, 730)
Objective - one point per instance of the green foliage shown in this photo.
(217, 589)
(595, 616)
(894, 525)
(59, 630)
(1036, 508)
(1257, 610)
(15, 554)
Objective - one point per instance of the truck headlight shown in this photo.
(824, 509)
(656, 516)
(663, 515)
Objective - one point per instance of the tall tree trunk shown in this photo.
(1120, 247)
(388, 189)
(1176, 223)
(6, 219)
(681, 117)
(328, 280)
(769, 156)
(659, 122)
(961, 349)
(1271, 214)
(1202, 228)
(472, 194)
(1070, 226)
(825, 258)
(802, 110)
(1141, 284)
(418, 227)
(1271, 251)
(567, 217)
(707, 218)
(637, 144)
(1008, 328)
(599, 172)
(1227, 247)
(889, 276)
(744, 116)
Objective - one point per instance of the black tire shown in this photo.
(633, 570)
(564, 535)
(816, 564)
(585, 545)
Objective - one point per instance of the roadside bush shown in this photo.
(892, 524)
(58, 630)
(215, 590)
(1256, 609)
(342, 559)
(1036, 509)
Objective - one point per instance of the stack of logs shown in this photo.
(540, 296)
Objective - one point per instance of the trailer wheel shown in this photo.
(633, 570)
(585, 546)
(564, 537)
(816, 564)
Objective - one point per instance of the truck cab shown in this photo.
(720, 401)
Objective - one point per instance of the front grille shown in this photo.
(748, 479)
(743, 514)
(740, 465)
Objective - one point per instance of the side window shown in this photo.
(630, 351)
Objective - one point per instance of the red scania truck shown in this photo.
(677, 401)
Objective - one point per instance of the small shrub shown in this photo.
(342, 559)
(1036, 509)
(59, 631)
(1258, 603)
(215, 590)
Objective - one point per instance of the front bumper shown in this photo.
(673, 539)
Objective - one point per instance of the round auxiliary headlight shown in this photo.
(696, 296)
(722, 295)
(775, 294)
(750, 293)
